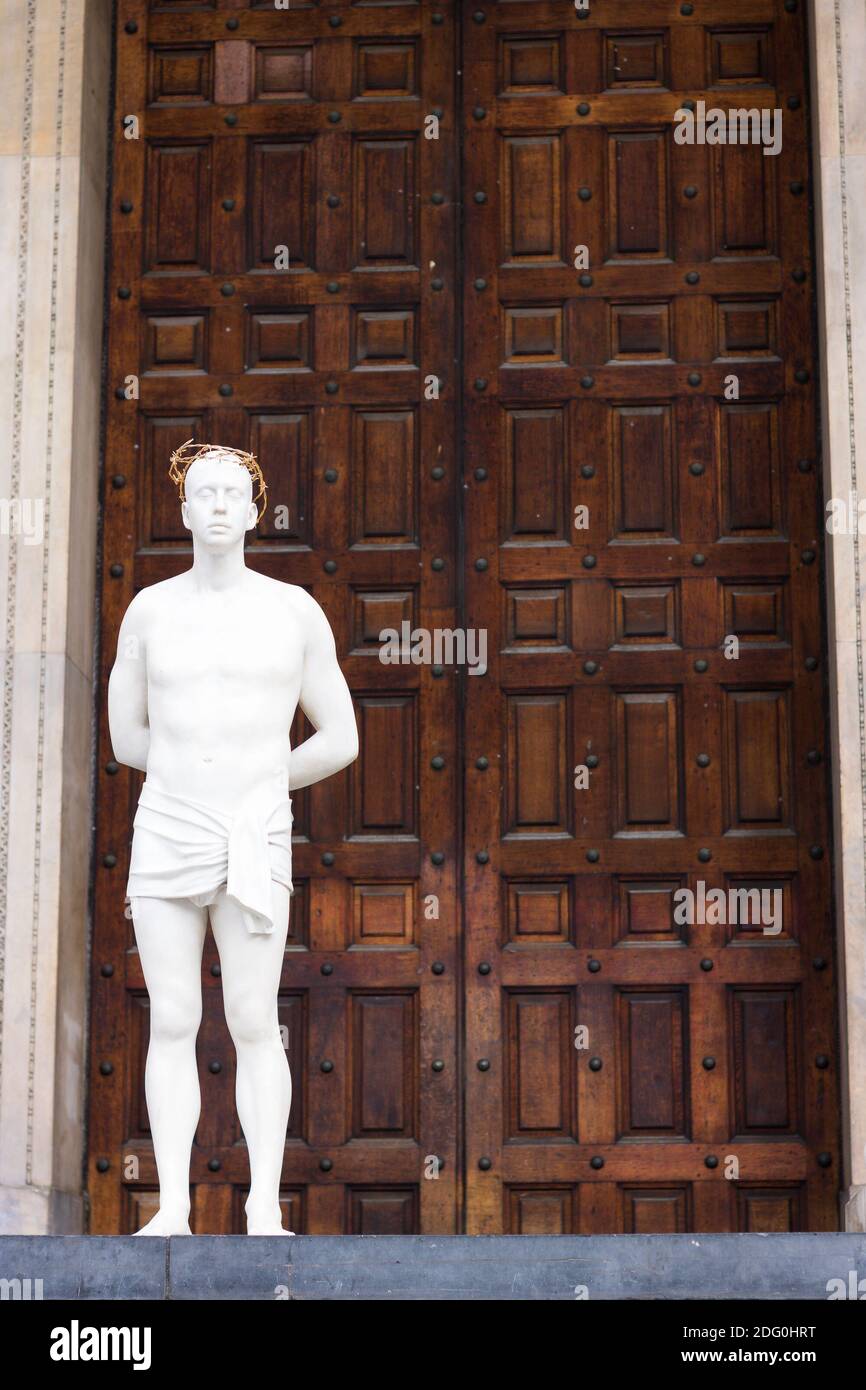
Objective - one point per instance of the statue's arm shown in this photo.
(127, 691)
(327, 703)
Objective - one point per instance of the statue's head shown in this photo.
(215, 485)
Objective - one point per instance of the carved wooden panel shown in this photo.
(647, 827)
(638, 516)
(266, 287)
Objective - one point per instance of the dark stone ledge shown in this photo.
(461, 1268)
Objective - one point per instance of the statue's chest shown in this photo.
(237, 649)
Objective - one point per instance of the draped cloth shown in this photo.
(184, 849)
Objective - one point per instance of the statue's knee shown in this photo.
(174, 1020)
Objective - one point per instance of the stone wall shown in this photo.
(53, 161)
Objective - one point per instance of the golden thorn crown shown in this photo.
(183, 458)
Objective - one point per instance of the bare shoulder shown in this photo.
(295, 601)
(151, 601)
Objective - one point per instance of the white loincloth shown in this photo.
(185, 849)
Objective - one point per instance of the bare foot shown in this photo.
(267, 1231)
(166, 1224)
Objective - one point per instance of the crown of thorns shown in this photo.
(183, 458)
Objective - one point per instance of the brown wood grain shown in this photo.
(413, 1036)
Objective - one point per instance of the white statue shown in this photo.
(211, 666)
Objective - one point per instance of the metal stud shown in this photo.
(583, 108)
(483, 1064)
(699, 560)
(692, 278)
(592, 760)
(331, 388)
(596, 1162)
(690, 191)
(585, 281)
(701, 665)
(587, 382)
(481, 564)
(694, 378)
(481, 196)
(227, 290)
(327, 858)
(481, 475)
(437, 857)
(116, 570)
(587, 470)
(703, 760)
(711, 1161)
(595, 1064)
(107, 970)
(333, 200)
(225, 389)
(589, 562)
(112, 769)
(592, 856)
(109, 861)
(706, 965)
(482, 764)
(334, 117)
(330, 567)
(584, 194)
(332, 287)
(801, 375)
(437, 472)
(437, 968)
(124, 292)
(696, 469)
(484, 967)
(704, 856)
(482, 857)
(822, 1061)
(231, 118)
(326, 969)
(330, 475)
(126, 206)
(709, 1064)
(228, 204)
(590, 667)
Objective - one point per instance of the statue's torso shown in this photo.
(223, 679)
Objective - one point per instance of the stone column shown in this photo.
(838, 61)
(53, 161)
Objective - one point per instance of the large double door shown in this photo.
(518, 364)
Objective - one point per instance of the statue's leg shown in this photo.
(170, 934)
(251, 964)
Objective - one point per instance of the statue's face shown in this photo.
(218, 508)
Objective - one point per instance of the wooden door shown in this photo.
(435, 390)
(617, 1062)
(268, 133)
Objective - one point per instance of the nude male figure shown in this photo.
(210, 668)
